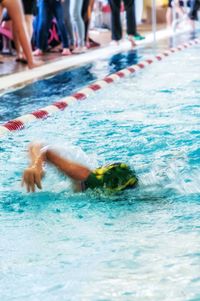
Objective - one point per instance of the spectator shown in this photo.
(47, 10)
(68, 23)
(195, 6)
(86, 15)
(179, 9)
(130, 19)
(29, 10)
(15, 11)
(76, 14)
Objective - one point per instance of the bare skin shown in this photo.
(32, 176)
(15, 11)
(29, 22)
(0, 13)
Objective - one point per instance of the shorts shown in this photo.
(29, 7)
(181, 3)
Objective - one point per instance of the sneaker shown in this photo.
(138, 37)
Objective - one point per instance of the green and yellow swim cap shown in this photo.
(114, 177)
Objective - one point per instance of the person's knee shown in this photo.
(76, 17)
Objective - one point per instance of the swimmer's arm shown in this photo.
(72, 169)
(35, 151)
(39, 155)
(32, 175)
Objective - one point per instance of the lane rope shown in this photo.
(21, 122)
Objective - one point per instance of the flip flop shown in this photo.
(21, 60)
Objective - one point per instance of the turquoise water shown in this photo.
(140, 244)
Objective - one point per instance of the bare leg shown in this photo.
(15, 11)
(0, 12)
(17, 44)
(169, 17)
(0, 20)
(29, 25)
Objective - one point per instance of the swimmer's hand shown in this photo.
(32, 177)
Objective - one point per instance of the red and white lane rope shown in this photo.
(21, 122)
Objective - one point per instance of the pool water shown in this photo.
(44, 92)
(140, 244)
(49, 90)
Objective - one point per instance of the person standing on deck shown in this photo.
(116, 25)
(47, 10)
(68, 23)
(15, 11)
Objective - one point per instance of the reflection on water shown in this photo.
(45, 92)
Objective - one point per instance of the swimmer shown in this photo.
(113, 177)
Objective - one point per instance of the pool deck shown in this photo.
(14, 75)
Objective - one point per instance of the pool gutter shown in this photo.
(21, 79)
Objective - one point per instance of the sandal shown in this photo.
(21, 60)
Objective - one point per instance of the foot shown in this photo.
(114, 43)
(132, 40)
(92, 44)
(79, 50)
(38, 52)
(66, 52)
(71, 47)
(35, 64)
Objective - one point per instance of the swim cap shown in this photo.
(114, 177)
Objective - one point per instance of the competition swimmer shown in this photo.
(112, 177)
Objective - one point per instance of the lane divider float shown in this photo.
(21, 122)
